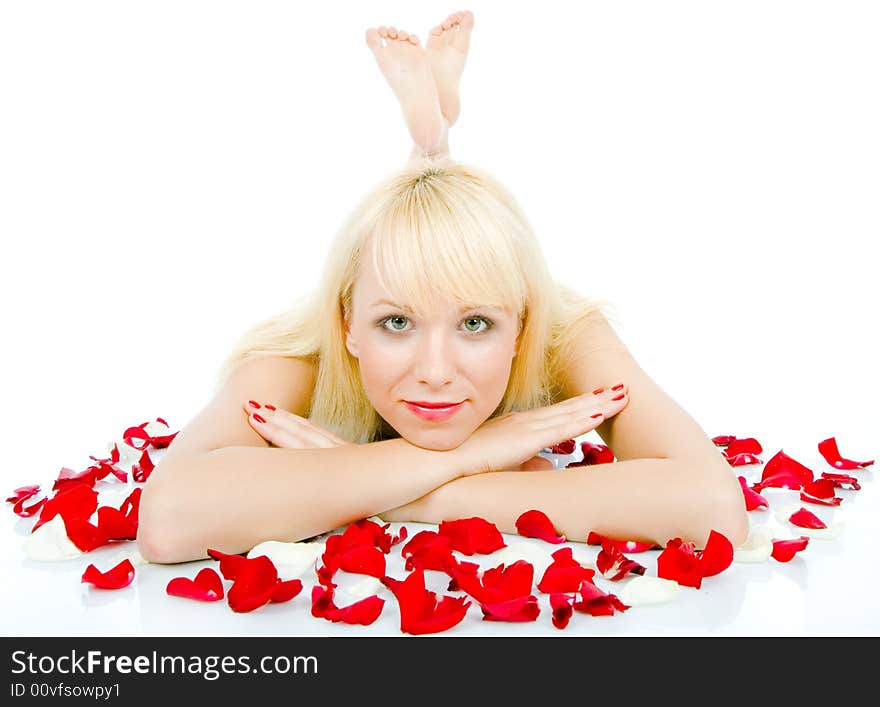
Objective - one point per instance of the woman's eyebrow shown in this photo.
(401, 306)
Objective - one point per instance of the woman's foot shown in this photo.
(447, 50)
(405, 65)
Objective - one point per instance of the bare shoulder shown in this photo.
(286, 382)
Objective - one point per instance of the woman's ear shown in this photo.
(350, 342)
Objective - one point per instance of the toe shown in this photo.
(403, 36)
(374, 39)
(392, 32)
(467, 20)
(414, 40)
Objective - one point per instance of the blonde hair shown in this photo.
(437, 230)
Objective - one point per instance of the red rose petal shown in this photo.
(717, 555)
(496, 585)
(753, 499)
(746, 445)
(564, 574)
(20, 510)
(784, 472)
(360, 559)
(565, 447)
(83, 534)
(74, 500)
(23, 492)
(614, 565)
(254, 584)
(519, 609)
(420, 611)
(596, 602)
(820, 491)
(428, 550)
(229, 564)
(723, 440)
(472, 536)
(536, 524)
(842, 480)
(784, 550)
(742, 459)
(285, 591)
(115, 578)
(804, 519)
(593, 454)
(364, 612)
(142, 469)
(679, 562)
(828, 449)
(207, 586)
(66, 476)
(561, 605)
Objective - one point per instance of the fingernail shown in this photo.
(619, 397)
(269, 407)
(598, 390)
(598, 414)
(258, 418)
(618, 386)
(253, 404)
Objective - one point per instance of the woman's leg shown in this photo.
(425, 81)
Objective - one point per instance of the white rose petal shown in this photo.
(352, 587)
(156, 429)
(291, 559)
(49, 542)
(758, 545)
(113, 496)
(645, 589)
(829, 533)
(127, 453)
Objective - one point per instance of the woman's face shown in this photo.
(452, 356)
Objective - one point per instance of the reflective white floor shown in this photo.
(829, 589)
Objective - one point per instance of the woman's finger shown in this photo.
(298, 425)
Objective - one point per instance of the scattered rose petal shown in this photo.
(355, 587)
(141, 470)
(50, 542)
(593, 454)
(23, 492)
(717, 554)
(149, 433)
(363, 612)
(360, 559)
(496, 585)
(842, 480)
(565, 447)
(623, 545)
(286, 590)
(745, 445)
(471, 536)
(680, 561)
(67, 476)
(820, 491)
(757, 546)
(596, 602)
(645, 589)
(229, 564)
(254, 585)
(804, 519)
(753, 499)
(828, 449)
(742, 459)
(207, 586)
(519, 609)
(420, 611)
(565, 574)
(428, 550)
(614, 565)
(74, 500)
(115, 578)
(723, 440)
(561, 606)
(27, 511)
(784, 550)
(536, 524)
(781, 471)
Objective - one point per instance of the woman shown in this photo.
(421, 379)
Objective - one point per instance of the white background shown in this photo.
(172, 172)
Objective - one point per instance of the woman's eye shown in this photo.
(471, 324)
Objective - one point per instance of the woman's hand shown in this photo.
(502, 443)
(286, 429)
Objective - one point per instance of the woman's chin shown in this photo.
(435, 440)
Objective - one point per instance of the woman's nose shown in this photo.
(435, 360)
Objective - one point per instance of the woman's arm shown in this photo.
(639, 499)
(235, 497)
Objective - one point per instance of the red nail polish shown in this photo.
(253, 404)
(258, 418)
(598, 390)
(598, 414)
(269, 407)
(618, 386)
(619, 397)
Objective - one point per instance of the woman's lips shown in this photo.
(433, 414)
